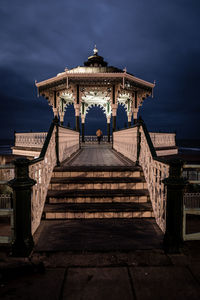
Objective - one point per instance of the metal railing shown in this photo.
(191, 207)
(136, 144)
(92, 139)
(60, 143)
(6, 205)
(163, 139)
(30, 139)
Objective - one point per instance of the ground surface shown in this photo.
(99, 155)
(98, 235)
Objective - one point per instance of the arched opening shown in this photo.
(69, 119)
(122, 120)
(95, 118)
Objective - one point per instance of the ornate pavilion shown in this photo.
(95, 84)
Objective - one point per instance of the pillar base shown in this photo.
(77, 124)
(114, 123)
(108, 132)
(83, 132)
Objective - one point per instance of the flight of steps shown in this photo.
(97, 192)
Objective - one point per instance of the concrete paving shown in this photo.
(138, 270)
(100, 235)
(137, 275)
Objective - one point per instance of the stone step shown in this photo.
(97, 210)
(124, 199)
(97, 171)
(72, 183)
(97, 196)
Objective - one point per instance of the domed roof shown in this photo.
(95, 64)
(95, 60)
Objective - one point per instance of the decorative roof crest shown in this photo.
(95, 50)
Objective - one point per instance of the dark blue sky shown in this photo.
(154, 40)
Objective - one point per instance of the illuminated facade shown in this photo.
(95, 84)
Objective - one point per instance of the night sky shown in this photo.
(154, 40)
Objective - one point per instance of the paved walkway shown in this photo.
(98, 235)
(136, 275)
(99, 155)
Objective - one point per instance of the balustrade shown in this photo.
(30, 139)
(128, 143)
(68, 142)
(6, 207)
(125, 142)
(41, 169)
(163, 139)
(93, 139)
(154, 172)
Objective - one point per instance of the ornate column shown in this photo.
(108, 128)
(77, 107)
(62, 111)
(62, 118)
(114, 105)
(135, 115)
(135, 108)
(55, 105)
(83, 128)
(129, 119)
(114, 112)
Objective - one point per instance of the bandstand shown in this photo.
(95, 84)
(139, 177)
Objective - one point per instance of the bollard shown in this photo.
(22, 243)
(173, 238)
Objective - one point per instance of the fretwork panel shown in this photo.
(125, 142)
(154, 172)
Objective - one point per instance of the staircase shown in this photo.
(85, 192)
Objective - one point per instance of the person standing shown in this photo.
(99, 135)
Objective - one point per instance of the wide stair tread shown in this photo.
(97, 179)
(97, 168)
(98, 207)
(96, 193)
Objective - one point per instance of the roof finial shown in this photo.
(95, 50)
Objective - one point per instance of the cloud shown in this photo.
(153, 39)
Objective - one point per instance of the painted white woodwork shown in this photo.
(125, 142)
(92, 139)
(68, 142)
(154, 173)
(30, 139)
(163, 139)
(41, 169)
(191, 207)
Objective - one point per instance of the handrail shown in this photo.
(137, 145)
(45, 145)
(59, 144)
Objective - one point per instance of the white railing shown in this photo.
(6, 173)
(30, 139)
(163, 139)
(5, 201)
(125, 142)
(154, 173)
(6, 210)
(191, 172)
(93, 139)
(41, 169)
(68, 142)
(191, 207)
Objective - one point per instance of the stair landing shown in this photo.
(98, 155)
